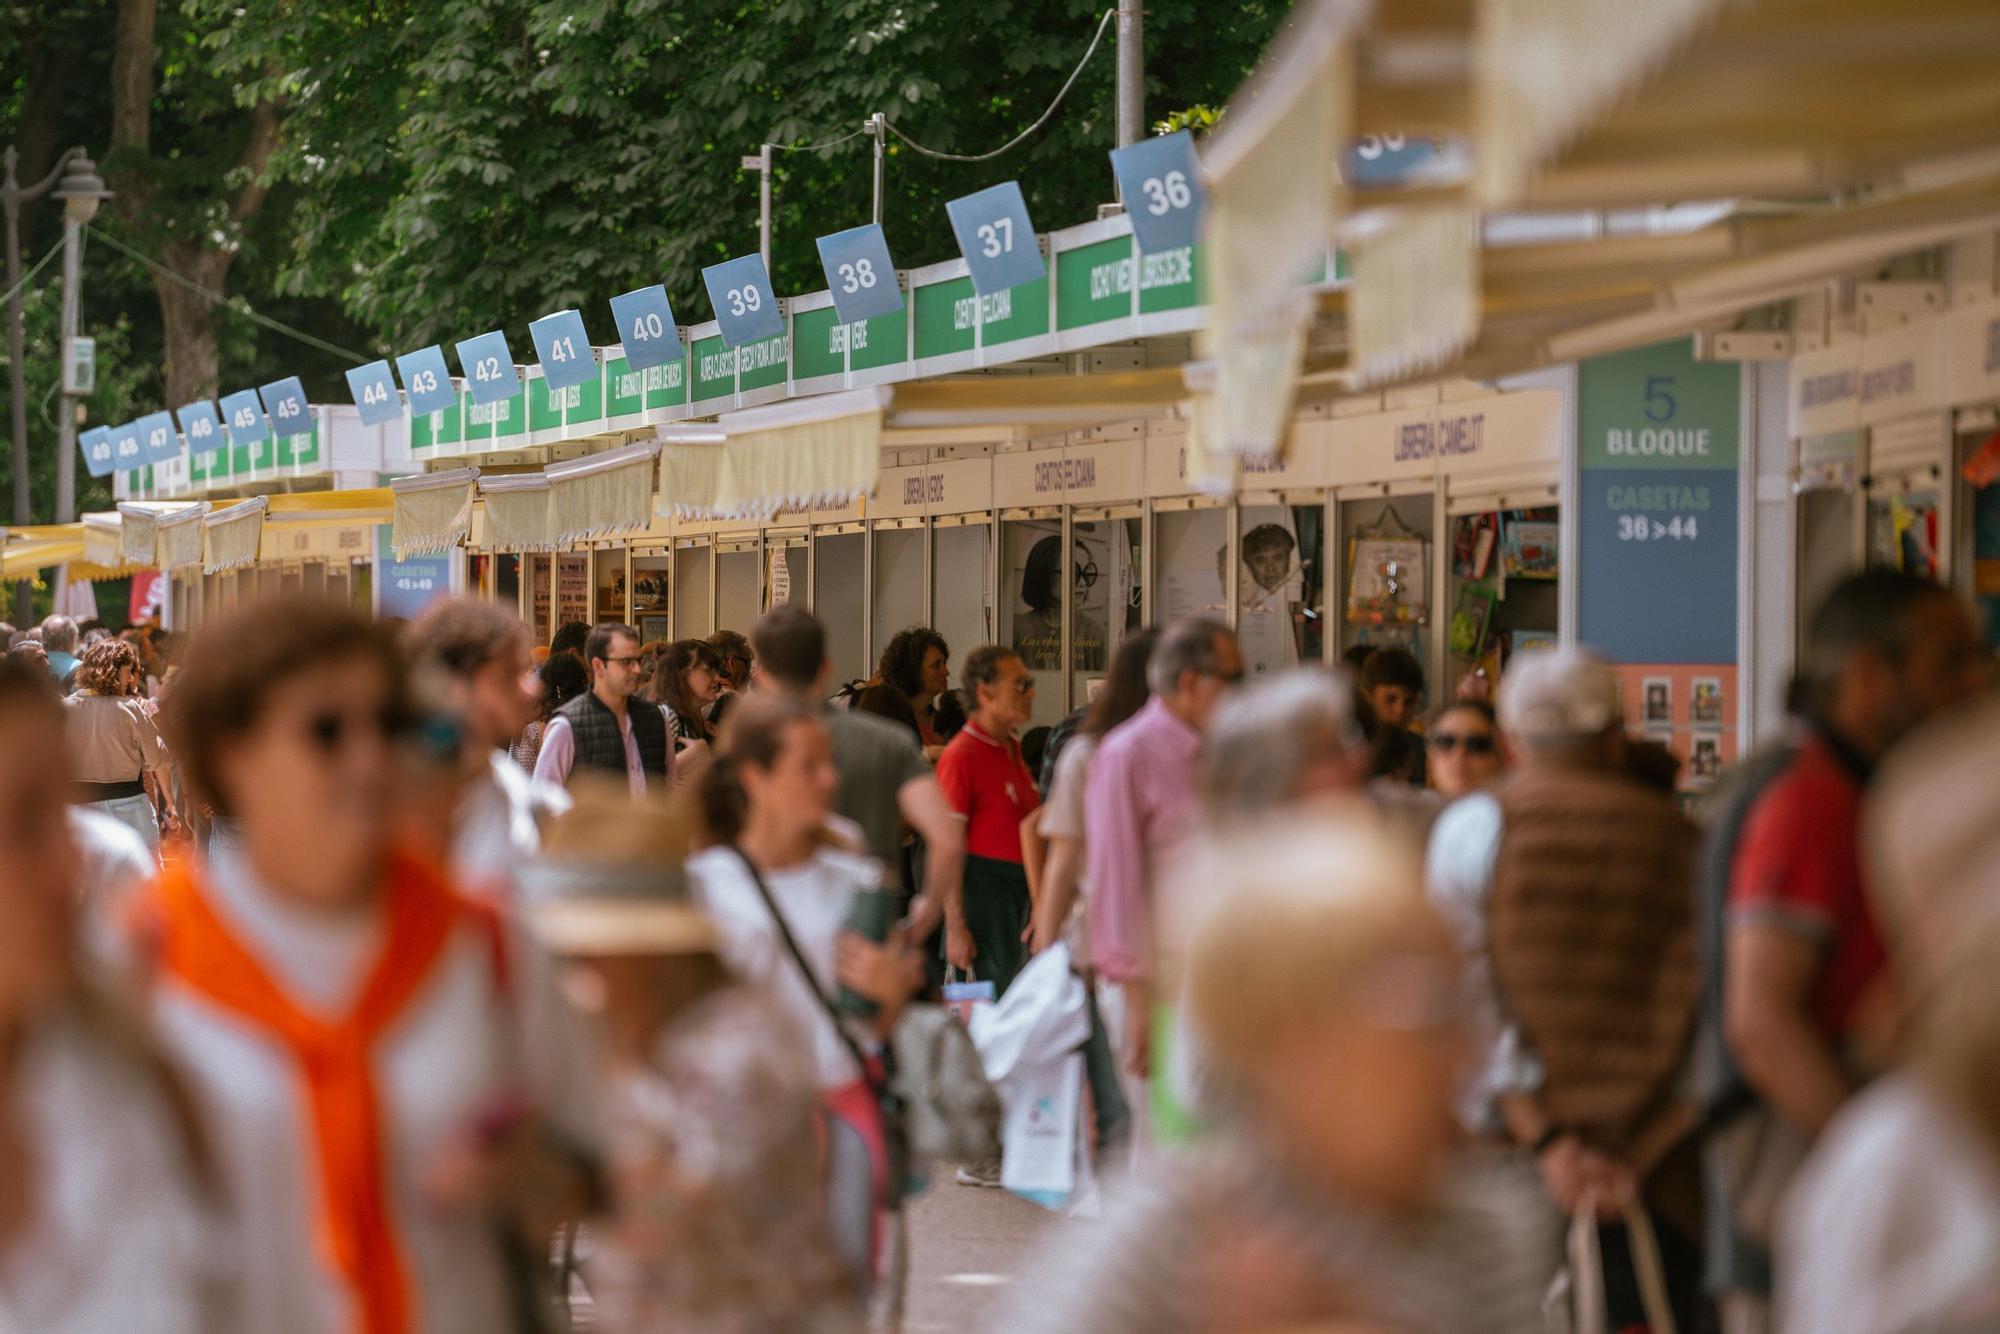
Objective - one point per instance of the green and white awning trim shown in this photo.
(433, 511)
(1415, 301)
(234, 535)
(162, 536)
(602, 494)
(519, 515)
(817, 452)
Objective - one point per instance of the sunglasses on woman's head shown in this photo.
(1475, 743)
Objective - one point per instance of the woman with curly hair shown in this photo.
(914, 672)
(687, 680)
(122, 766)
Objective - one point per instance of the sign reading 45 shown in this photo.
(645, 320)
(489, 368)
(202, 427)
(996, 238)
(427, 380)
(563, 349)
(1161, 182)
(375, 395)
(285, 400)
(745, 307)
(243, 414)
(860, 274)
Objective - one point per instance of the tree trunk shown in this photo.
(187, 320)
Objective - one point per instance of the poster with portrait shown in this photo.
(1276, 587)
(1033, 584)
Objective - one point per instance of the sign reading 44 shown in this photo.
(375, 395)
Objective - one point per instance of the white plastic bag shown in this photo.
(1039, 1137)
(1043, 1017)
(1031, 1042)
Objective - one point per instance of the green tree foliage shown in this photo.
(468, 164)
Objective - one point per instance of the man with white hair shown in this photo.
(59, 641)
(1570, 889)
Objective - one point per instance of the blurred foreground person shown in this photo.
(1325, 989)
(686, 685)
(103, 1201)
(120, 762)
(399, 1101)
(786, 897)
(1570, 890)
(1894, 1222)
(1464, 746)
(476, 656)
(716, 1221)
(60, 641)
(1392, 680)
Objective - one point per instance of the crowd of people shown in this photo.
(419, 976)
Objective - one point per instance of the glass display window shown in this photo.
(1106, 594)
(898, 578)
(1388, 546)
(739, 585)
(1035, 581)
(693, 610)
(608, 574)
(652, 596)
(961, 574)
(840, 582)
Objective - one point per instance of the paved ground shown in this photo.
(967, 1249)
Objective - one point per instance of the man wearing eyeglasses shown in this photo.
(603, 729)
(1138, 809)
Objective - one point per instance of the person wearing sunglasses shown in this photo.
(606, 729)
(1464, 743)
(398, 1101)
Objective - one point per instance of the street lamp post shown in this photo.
(81, 191)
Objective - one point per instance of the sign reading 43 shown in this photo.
(860, 273)
(427, 380)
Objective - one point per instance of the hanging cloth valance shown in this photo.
(604, 493)
(1415, 302)
(1544, 70)
(161, 536)
(1274, 196)
(177, 543)
(818, 452)
(234, 536)
(433, 511)
(104, 540)
(520, 512)
(690, 469)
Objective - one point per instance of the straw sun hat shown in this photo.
(611, 880)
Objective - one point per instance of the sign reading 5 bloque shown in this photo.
(860, 274)
(740, 291)
(996, 238)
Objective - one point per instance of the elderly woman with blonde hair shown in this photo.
(1326, 993)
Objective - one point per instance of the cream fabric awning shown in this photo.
(433, 511)
(234, 535)
(104, 539)
(1414, 306)
(162, 535)
(519, 513)
(813, 452)
(602, 494)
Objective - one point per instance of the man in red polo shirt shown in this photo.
(989, 786)
(1805, 987)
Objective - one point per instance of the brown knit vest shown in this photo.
(1592, 938)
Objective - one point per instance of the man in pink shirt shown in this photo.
(1139, 804)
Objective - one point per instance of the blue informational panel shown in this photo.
(1160, 180)
(96, 446)
(1657, 435)
(374, 390)
(645, 320)
(489, 368)
(563, 348)
(158, 441)
(285, 401)
(427, 380)
(126, 453)
(1379, 161)
(202, 428)
(405, 587)
(860, 273)
(243, 414)
(996, 238)
(740, 291)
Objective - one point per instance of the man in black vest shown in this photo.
(607, 729)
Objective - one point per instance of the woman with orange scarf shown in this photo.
(396, 1094)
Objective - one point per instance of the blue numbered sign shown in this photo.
(740, 291)
(285, 400)
(96, 446)
(426, 380)
(244, 416)
(489, 368)
(125, 451)
(1161, 182)
(563, 348)
(645, 321)
(996, 238)
(860, 273)
(374, 390)
(202, 427)
(158, 440)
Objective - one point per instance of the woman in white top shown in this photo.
(398, 1100)
(766, 804)
(104, 1224)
